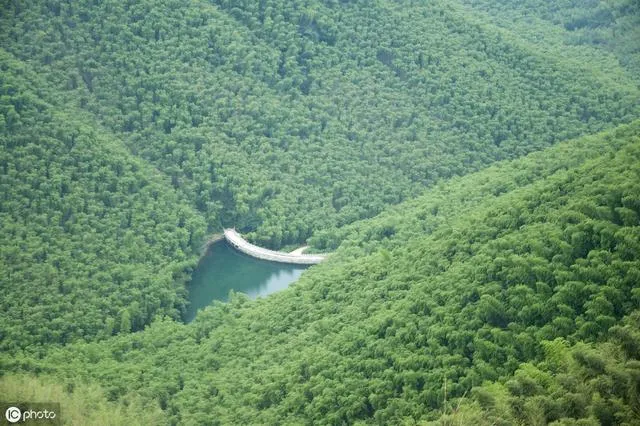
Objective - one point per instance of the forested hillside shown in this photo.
(524, 275)
(92, 241)
(609, 25)
(471, 166)
(284, 118)
(81, 405)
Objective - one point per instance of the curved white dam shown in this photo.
(242, 245)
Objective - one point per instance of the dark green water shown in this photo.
(224, 269)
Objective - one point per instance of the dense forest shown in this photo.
(102, 239)
(471, 166)
(507, 284)
(237, 101)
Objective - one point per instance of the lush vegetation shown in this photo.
(237, 102)
(531, 287)
(92, 241)
(583, 384)
(485, 266)
(609, 25)
(80, 404)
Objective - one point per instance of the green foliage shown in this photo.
(577, 384)
(411, 330)
(130, 130)
(283, 118)
(92, 242)
(610, 25)
(80, 404)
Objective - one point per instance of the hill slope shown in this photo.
(130, 130)
(548, 253)
(92, 240)
(610, 26)
(284, 118)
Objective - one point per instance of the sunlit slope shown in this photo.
(573, 383)
(283, 118)
(92, 240)
(535, 252)
(80, 404)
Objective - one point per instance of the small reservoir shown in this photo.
(223, 269)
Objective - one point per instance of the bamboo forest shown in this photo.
(320, 212)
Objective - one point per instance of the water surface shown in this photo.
(223, 269)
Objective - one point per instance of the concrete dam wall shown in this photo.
(242, 245)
